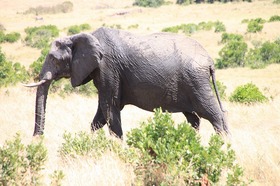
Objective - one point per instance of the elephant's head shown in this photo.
(74, 57)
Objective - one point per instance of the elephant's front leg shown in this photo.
(113, 117)
(99, 120)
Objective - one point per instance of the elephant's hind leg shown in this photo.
(99, 120)
(193, 119)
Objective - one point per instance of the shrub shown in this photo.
(226, 37)
(245, 21)
(173, 29)
(185, 28)
(20, 164)
(64, 7)
(270, 52)
(173, 154)
(10, 37)
(2, 36)
(11, 73)
(148, 3)
(276, 1)
(40, 37)
(219, 26)
(191, 27)
(264, 54)
(78, 28)
(206, 25)
(232, 54)
(184, 2)
(274, 18)
(248, 93)
(74, 30)
(255, 25)
(115, 26)
(135, 26)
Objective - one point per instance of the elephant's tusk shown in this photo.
(35, 84)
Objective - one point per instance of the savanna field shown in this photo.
(255, 127)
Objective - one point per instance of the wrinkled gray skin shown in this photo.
(158, 70)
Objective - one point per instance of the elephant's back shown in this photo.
(163, 47)
(167, 46)
(188, 49)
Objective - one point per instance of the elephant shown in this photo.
(164, 70)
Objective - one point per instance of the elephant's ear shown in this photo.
(86, 56)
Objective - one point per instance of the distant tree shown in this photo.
(185, 2)
(148, 3)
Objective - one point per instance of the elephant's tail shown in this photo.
(212, 72)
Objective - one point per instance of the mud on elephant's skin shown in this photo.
(158, 70)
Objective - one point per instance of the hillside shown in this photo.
(255, 128)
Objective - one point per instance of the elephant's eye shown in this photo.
(55, 63)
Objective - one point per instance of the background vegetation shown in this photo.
(254, 124)
(64, 7)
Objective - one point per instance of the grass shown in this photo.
(255, 128)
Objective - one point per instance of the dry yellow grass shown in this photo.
(255, 129)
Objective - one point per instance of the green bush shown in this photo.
(74, 30)
(206, 25)
(264, 54)
(173, 154)
(40, 37)
(226, 37)
(248, 93)
(11, 73)
(114, 26)
(64, 7)
(187, 2)
(184, 2)
(173, 29)
(20, 164)
(185, 28)
(10, 37)
(274, 18)
(78, 28)
(2, 36)
(232, 55)
(191, 27)
(276, 1)
(219, 26)
(135, 26)
(255, 25)
(148, 3)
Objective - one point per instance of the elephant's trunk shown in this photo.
(40, 108)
